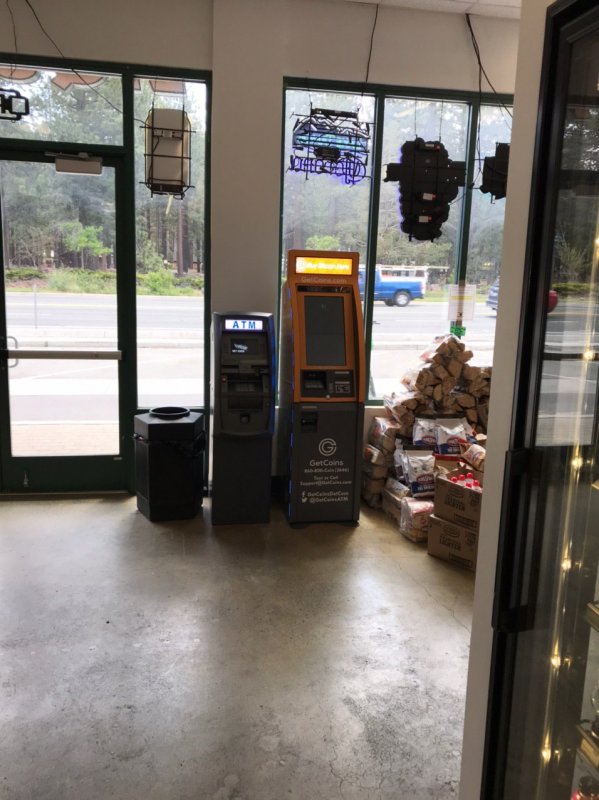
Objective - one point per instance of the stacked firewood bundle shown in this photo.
(446, 385)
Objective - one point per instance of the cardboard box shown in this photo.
(458, 504)
(452, 542)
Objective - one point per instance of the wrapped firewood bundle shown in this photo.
(375, 471)
(372, 490)
(396, 489)
(443, 347)
(408, 379)
(374, 455)
(377, 463)
(402, 412)
(480, 386)
(446, 384)
(382, 433)
(482, 410)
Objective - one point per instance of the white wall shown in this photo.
(177, 33)
(258, 42)
(532, 27)
(410, 48)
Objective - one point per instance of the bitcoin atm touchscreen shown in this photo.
(327, 362)
(325, 331)
(322, 386)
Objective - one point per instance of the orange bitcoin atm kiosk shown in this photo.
(322, 379)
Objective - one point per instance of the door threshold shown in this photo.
(64, 495)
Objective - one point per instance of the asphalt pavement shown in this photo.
(171, 351)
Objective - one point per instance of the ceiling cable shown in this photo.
(74, 71)
(376, 15)
(480, 64)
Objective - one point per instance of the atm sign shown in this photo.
(243, 324)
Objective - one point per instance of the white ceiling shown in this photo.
(506, 9)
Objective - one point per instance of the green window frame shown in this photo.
(474, 101)
(124, 151)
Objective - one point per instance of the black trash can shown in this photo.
(169, 446)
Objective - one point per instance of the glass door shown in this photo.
(543, 735)
(62, 365)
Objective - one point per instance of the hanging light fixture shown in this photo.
(167, 151)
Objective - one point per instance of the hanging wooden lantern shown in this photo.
(167, 151)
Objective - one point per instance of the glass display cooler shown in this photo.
(543, 723)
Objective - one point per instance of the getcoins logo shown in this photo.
(327, 447)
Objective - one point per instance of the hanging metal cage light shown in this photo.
(167, 151)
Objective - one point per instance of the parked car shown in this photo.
(393, 288)
(493, 297)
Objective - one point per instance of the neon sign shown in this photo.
(13, 105)
(306, 265)
(351, 170)
(331, 143)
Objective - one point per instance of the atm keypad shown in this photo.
(342, 387)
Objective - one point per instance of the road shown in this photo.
(31, 317)
(171, 351)
(29, 313)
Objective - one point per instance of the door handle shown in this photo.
(13, 348)
(517, 571)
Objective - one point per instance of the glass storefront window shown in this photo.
(486, 236)
(66, 105)
(403, 325)
(171, 257)
(60, 278)
(321, 211)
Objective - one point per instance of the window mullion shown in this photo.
(373, 227)
(461, 261)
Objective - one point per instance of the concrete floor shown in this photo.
(159, 661)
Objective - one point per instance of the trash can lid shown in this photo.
(170, 412)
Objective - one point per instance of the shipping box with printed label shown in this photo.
(456, 503)
(452, 542)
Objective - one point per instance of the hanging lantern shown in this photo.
(167, 151)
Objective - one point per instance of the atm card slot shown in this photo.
(245, 387)
(239, 402)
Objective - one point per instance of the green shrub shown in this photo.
(195, 282)
(164, 282)
(23, 274)
(148, 258)
(96, 282)
(571, 288)
(63, 280)
(159, 281)
(82, 281)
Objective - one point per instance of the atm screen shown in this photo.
(325, 331)
(249, 346)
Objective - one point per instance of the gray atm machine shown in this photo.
(242, 408)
